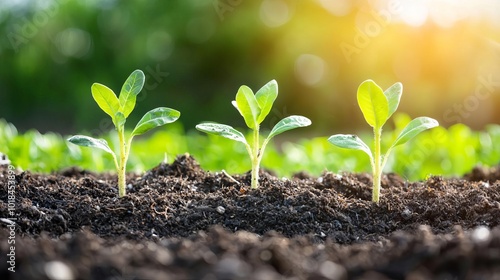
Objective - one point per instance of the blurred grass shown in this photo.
(448, 152)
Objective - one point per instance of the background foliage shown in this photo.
(440, 151)
(196, 53)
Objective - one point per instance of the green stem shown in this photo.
(123, 163)
(377, 168)
(255, 158)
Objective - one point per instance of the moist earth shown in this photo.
(178, 221)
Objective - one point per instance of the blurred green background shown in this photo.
(196, 53)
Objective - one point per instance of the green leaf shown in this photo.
(154, 118)
(265, 98)
(223, 130)
(106, 99)
(349, 141)
(393, 95)
(247, 106)
(416, 126)
(130, 89)
(373, 104)
(87, 141)
(289, 123)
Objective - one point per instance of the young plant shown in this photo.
(254, 109)
(119, 109)
(377, 107)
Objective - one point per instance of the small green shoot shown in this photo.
(377, 107)
(119, 109)
(254, 108)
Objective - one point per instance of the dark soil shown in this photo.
(180, 222)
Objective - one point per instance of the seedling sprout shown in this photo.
(254, 108)
(119, 109)
(377, 107)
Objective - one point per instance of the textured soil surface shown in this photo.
(180, 222)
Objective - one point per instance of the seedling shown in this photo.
(254, 109)
(119, 109)
(377, 107)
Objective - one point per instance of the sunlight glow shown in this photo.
(444, 13)
(446, 52)
(414, 13)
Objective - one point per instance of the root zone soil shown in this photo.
(181, 222)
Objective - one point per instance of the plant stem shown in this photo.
(377, 168)
(255, 159)
(123, 163)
